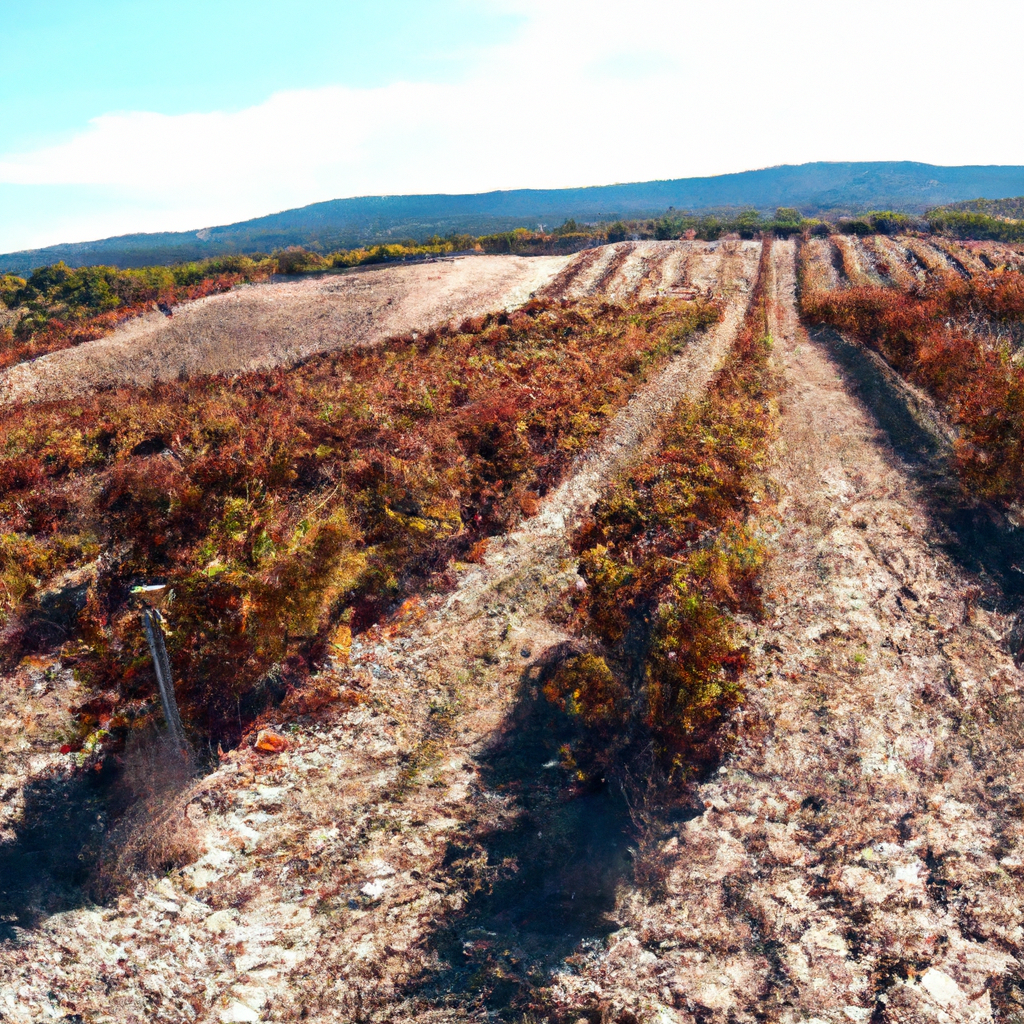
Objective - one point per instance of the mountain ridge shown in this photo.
(838, 187)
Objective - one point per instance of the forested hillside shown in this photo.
(840, 188)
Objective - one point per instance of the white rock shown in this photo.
(457, 793)
(208, 868)
(941, 987)
(237, 1012)
(290, 914)
(715, 996)
(910, 873)
(220, 922)
(249, 836)
(153, 983)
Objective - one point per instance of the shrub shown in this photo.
(669, 556)
(66, 307)
(300, 261)
(931, 336)
(964, 224)
(879, 222)
(281, 504)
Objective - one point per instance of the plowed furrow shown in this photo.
(856, 264)
(620, 255)
(280, 323)
(964, 258)
(901, 269)
(821, 270)
(961, 260)
(565, 283)
(1002, 255)
(935, 262)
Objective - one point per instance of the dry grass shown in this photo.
(856, 264)
(817, 266)
(267, 325)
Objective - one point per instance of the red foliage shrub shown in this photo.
(668, 557)
(279, 504)
(932, 337)
(29, 341)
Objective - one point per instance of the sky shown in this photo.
(120, 116)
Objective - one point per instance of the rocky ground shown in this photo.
(860, 856)
(413, 853)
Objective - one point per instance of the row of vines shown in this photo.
(959, 339)
(289, 508)
(671, 558)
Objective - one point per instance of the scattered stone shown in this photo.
(220, 922)
(238, 1013)
(374, 889)
(941, 987)
(271, 742)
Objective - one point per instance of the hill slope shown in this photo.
(1012, 208)
(417, 844)
(345, 222)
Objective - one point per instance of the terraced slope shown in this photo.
(857, 855)
(281, 323)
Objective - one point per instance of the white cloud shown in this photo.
(585, 94)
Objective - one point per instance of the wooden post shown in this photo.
(152, 621)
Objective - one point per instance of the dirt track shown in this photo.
(860, 856)
(278, 324)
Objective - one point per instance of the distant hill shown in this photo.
(1011, 209)
(342, 223)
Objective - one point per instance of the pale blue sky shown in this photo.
(121, 116)
(63, 62)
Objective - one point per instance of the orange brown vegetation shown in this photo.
(945, 339)
(287, 508)
(669, 557)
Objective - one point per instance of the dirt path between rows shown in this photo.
(324, 888)
(860, 856)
